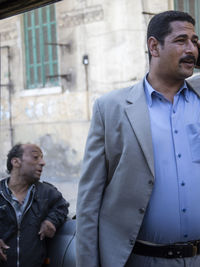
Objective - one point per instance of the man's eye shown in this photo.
(195, 42)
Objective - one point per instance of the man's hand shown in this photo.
(3, 248)
(47, 229)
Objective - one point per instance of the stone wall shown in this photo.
(112, 34)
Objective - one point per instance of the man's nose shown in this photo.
(42, 162)
(191, 47)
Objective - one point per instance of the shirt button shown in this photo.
(131, 242)
(175, 131)
(183, 183)
(179, 155)
(183, 210)
(185, 235)
(174, 111)
(141, 210)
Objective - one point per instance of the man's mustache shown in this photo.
(188, 58)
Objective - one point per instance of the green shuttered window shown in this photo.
(41, 55)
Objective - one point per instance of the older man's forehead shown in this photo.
(32, 148)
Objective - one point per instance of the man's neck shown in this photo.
(167, 87)
(18, 187)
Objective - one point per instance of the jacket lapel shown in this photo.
(138, 115)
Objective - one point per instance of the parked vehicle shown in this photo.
(61, 248)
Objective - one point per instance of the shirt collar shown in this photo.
(149, 91)
(9, 192)
(7, 188)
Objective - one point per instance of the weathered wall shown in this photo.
(113, 35)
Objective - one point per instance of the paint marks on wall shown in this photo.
(4, 113)
(62, 162)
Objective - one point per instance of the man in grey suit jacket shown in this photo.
(138, 194)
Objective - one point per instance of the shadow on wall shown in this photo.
(3, 169)
(62, 163)
(3, 175)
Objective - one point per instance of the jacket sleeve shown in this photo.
(90, 192)
(58, 207)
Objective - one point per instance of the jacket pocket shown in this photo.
(193, 131)
(38, 212)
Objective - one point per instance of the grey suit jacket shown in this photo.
(117, 179)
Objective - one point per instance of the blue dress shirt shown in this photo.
(173, 213)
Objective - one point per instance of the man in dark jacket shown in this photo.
(30, 210)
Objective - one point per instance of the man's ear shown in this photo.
(153, 46)
(16, 162)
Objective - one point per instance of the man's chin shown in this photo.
(187, 73)
(35, 179)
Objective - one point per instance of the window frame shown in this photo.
(35, 61)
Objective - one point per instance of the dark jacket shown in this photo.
(26, 248)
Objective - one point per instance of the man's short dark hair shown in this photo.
(159, 26)
(15, 152)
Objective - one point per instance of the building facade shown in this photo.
(55, 61)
